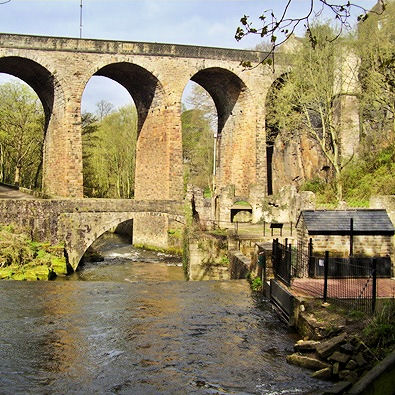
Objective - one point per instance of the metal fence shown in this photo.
(282, 262)
(349, 282)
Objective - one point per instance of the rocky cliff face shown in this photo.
(295, 161)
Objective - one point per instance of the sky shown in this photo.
(192, 22)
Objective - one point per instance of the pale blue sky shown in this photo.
(192, 22)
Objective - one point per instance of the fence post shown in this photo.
(264, 228)
(326, 267)
(291, 228)
(374, 285)
(310, 261)
(274, 254)
(289, 263)
(351, 237)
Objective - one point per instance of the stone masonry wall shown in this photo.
(337, 245)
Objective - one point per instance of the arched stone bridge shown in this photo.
(155, 75)
(79, 222)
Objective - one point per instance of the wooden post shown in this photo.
(289, 263)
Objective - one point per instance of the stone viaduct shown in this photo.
(155, 75)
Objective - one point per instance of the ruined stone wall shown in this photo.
(207, 258)
(239, 265)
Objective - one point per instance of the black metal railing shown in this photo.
(282, 261)
(350, 283)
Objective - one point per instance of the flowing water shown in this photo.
(131, 325)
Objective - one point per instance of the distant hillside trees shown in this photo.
(109, 149)
(21, 135)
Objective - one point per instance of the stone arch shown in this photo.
(92, 225)
(76, 252)
(155, 167)
(50, 92)
(237, 128)
(39, 78)
(225, 88)
(241, 211)
(142, 85)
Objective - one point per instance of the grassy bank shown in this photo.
(24, 259)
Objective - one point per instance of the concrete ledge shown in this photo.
(238, 265)
(283, 299)
(378, 381)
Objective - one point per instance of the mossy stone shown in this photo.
(59, 266)
(5, 273)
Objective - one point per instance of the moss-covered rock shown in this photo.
(24, 259)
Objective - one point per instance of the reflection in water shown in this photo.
(146, 337)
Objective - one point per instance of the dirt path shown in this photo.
(10, 193)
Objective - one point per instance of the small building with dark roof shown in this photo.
(370, 232)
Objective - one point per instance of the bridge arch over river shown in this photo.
(155, 75)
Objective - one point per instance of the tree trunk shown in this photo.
(339, 185)
(17, 175)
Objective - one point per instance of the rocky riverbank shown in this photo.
(342, 357)
(342, 345)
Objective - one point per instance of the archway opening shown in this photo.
(115, 104)
(26, 99)
(241, 211)
(199, 122)
(272, 129)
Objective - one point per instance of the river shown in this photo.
(131, 325)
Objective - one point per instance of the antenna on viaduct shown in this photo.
(81, 19)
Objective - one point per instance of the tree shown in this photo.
(103, 108)
(306, 99)
(202, 101)
(21, 135)
(375, 46)
(197, 143)
(109, 153)
(272, 26)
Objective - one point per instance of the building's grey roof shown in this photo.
(337, 222)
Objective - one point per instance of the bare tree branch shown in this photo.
(272, 26)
